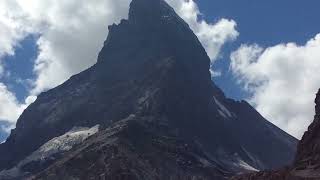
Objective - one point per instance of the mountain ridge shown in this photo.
(152, 69)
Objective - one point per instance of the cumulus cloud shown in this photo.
(283, 80)
(9, 33)
(10, 108)
(71, 34)
(212, 36)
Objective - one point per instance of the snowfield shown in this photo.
(63, 143)
(55, 146)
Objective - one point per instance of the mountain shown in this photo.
(307, 161)
(308, 155)
(146, 110)
(3, 132)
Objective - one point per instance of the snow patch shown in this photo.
(234, 162)
(56, 145)
(63, 143)
(222, 114)
(256, 162)
(246, 166)
(223, 110)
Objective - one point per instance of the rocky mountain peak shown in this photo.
(150, 12)
(145, 11)
(150, 93)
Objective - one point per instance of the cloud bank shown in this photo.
(71, 33)
(283, 80)
(10, 108)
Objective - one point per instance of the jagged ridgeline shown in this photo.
(147, 110)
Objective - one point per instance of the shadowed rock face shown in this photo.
(308, 154)
(153, 68)
(307, 162)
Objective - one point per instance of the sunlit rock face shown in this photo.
(152, 95)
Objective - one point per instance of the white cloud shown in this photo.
(212, 36)
(283, 79)
(10, 108)
(71, 33)
(10, 33)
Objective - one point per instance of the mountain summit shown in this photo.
(146, 110)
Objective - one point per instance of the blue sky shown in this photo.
(263, 27)
(266, 23)
(20, 67)
(263, 22)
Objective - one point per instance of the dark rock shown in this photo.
(134, 149)
(309, 147)
(152, 66)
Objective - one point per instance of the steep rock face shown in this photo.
(153, 67)
(307, 162)
(308, 154)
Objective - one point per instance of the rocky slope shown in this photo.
(307, 161)
(152, 96)
(135, 149)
